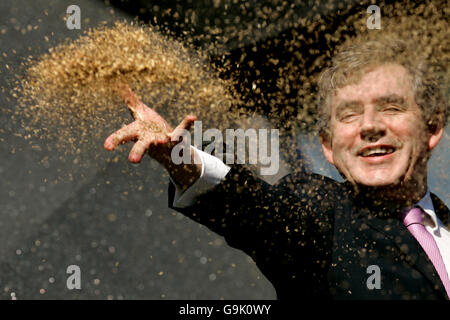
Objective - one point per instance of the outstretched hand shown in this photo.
(150, 132)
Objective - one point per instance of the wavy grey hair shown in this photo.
(350, 64)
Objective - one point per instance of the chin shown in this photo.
(379, 184)
(379, 181)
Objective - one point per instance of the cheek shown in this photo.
(414, 136)
(344, 138)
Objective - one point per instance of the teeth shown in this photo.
(377, 151)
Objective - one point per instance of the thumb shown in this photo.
(186, 124)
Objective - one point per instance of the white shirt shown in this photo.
(439, 232)
(214, 170)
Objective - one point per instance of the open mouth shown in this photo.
(376, 151)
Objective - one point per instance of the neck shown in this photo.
(404, 194)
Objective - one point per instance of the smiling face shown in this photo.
(378, 135)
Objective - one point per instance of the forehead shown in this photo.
(378, 81)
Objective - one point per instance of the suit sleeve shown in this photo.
(248, 212)
(285, 227)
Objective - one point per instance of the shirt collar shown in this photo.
(427, 206)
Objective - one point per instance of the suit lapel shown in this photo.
(408, 247)
(441, 210)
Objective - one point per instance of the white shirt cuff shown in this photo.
(213, 172)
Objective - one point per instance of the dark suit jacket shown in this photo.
(313, 237)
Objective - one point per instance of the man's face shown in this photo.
(378, 135)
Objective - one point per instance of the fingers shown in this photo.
(121, 88)
(128, 133)
(186, 124)
(141, 111)
(138, 109)
(138, 150)
(146, 138)
(136, 106)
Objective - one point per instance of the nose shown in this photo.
(372, 126)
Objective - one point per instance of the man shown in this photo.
(379, 235)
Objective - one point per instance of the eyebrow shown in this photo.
(350, 104)
(392, 98)
(383, 100)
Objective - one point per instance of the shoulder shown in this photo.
(308, 191)
(310, 184)
(313, 194)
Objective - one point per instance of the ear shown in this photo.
(435, 137)
(325, 141)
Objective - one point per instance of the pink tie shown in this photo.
(413, 221)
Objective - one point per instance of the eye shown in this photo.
(347, 116)
(392, 108)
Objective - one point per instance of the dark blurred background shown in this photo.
(111, 218)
